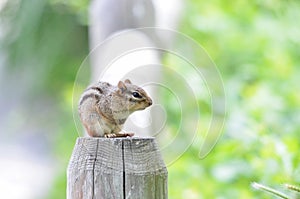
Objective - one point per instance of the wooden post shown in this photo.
(103, 168)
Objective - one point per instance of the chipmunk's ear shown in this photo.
(127, 81)
(121, 87)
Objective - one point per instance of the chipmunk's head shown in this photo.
(136, 97)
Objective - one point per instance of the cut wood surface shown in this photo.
(103, 168)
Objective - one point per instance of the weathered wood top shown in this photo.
(116, 168)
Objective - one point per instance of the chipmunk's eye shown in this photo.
(136, 95)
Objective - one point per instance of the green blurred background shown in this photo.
(254, 44)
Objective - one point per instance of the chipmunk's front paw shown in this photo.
(112, 135)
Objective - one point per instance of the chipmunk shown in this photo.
(104, 108)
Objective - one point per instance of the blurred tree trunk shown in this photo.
(111, 60)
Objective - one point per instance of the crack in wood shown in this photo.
(123, 161)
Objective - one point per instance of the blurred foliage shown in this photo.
(44, 43)
(255, 45)
(294, 190)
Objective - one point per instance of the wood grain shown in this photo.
(103, 168)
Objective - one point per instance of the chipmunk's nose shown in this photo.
(150, 102)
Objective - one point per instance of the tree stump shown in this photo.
(103, 168)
